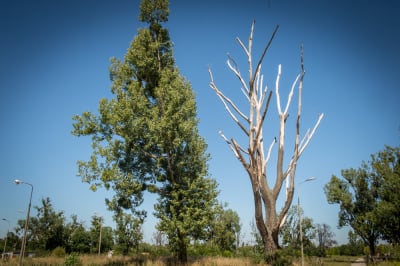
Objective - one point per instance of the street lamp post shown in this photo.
(100, 235)
(22, 252)
(100, 219)
(299, 214)
(5, 241)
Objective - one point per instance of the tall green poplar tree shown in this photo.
(146, 137)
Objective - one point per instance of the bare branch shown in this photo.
(239, 151)
(302, 148)
(243, 46)
(269, 153)
(249, 59)
(291, 95)
(260, 124)
(278, 100)
(229, 143)
(266, 48)
(245, 93)
(236, 70)
(225, 100)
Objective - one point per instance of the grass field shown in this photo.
(93, 260)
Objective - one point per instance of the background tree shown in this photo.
(290, 232)
(13, 241)
(325, 238)
(75, 236)
(146, 138)
(46, 229)
(255, 157)
(385, 167)
(128, 233)
(356, 193)
(225, 229)
(101, 236)
(369, 198)
(159, 238)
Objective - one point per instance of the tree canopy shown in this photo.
(368, 197)
(146, 139)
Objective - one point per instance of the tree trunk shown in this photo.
(182, 252)
(268, 228)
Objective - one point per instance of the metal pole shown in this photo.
(300, 223)
(100, 236)
(5, 241)
(22, 252)
(301, 231)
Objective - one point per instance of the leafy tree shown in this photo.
(324, 237)
(146, 138)
(76, 237)
(369, 198)
(254, 154)
(357, 195)
(80, 240)
(159, 238)
(45, 231)
(356, 244)
(385, 168)
(12, 242)
(290, 231)
(225, 229)
(101, 236)
(187, 212)
(128, 233)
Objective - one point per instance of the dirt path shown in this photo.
(359, 262)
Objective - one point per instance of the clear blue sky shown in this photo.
(54, 64)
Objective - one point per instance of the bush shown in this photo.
(279, 259)
(58, 252)
(226, 254)
(72, 260)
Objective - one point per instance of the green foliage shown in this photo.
(58, 252)
(225, 229)
(146, 139)
(72, 260)
(385, 167)
(279, 258)
(369, 198)
(128, 233)
(77, 238)
(290, 231)
(325, 239)
(46, 229)
(203, 250)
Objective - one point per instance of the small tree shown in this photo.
(128, 233)
(290, 231)
(325, 239)
(225, 229)
(255, 157)
(46, 229)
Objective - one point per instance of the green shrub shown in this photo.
(72, 260)
(58, 252)
(226, 254)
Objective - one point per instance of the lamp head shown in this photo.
(17, 182)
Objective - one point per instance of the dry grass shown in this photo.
(93, 260)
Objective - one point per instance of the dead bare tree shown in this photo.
(253, 157)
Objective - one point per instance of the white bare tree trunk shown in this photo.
(255, 157)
